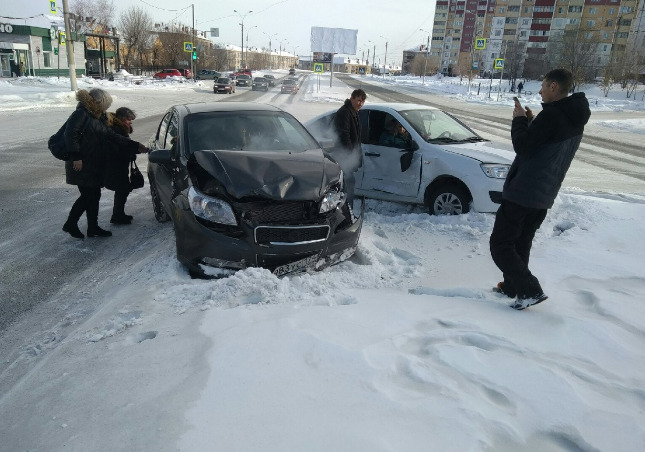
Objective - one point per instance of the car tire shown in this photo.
(160, 214)
(448, 199)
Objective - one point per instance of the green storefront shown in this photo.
(36, 51)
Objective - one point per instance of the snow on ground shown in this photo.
(402, 348)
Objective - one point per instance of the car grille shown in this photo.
(277, 212)
(292, 235)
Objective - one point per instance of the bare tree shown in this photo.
(89, 14)
(135, 25)
(575, 50)
(418, 65)
(172, 49)
(607, 79)
(515, 51)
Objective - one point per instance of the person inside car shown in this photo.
(395, 136)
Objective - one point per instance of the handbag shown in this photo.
(136, 178)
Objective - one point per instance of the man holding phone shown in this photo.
(544, 147)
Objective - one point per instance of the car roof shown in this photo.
(204, 107)
(397, 106)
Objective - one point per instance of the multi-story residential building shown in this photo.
(469, 35)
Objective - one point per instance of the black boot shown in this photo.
(96, 231)
(121, 219)
(118, 213)
(72, 229)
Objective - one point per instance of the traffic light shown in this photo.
(55, 50)
(194, 54)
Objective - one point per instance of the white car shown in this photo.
(444, 165)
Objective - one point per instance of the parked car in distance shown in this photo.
(289, 85)
(292, 71)
(208, 74)
(260, 83)
(186, 73)
(244, 71)
(243, 80)
(224, 85)
(442, 164)
(246, 185)
(165, 73)
(270, 78)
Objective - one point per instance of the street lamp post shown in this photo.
(425, 65)
(270, 51)
(385, 59)
(280, 51)
(242, 16)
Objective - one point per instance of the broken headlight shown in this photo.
(332, 199)
(211, 209)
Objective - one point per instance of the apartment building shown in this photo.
(470, 35)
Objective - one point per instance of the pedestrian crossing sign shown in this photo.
(188, 46)
(480, 43)
(499, 63)
(52, 7)
(318, 68)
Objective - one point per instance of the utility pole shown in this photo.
(192, 60)
(425, 65)
(242, 16)
(70, 47)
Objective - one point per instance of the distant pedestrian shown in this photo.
(544, 147)
(117, 164)
(520, 87)
(86, 137)
(348, 153)
(22, 69)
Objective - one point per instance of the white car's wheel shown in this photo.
(448, 199)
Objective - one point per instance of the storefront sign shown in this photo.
(6, 28)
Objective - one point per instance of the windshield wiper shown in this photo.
(474, 139)
(444, 140)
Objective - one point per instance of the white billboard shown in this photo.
(333, 40)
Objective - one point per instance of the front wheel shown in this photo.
(160, 214)
(448, 199)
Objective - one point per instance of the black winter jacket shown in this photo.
(117, 162)
(87, 138)
(544, 148)
(347, 126)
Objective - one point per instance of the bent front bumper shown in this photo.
(281, 248)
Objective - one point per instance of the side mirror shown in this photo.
(161, 156)
(406, 156)
(327, 143)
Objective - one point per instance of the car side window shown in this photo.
(363, 118)
(172, 135)
(161, 133)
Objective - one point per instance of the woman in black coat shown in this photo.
(117, 165)
(86, 137)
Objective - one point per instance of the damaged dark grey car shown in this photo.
(246, 185)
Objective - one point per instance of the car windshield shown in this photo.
(259, 79)
(436, 126)
(247, 131)
(222, 80)
(289, 82)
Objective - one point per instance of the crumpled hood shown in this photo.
(484, 151)
(293, 176)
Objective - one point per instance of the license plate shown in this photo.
(292, 267)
